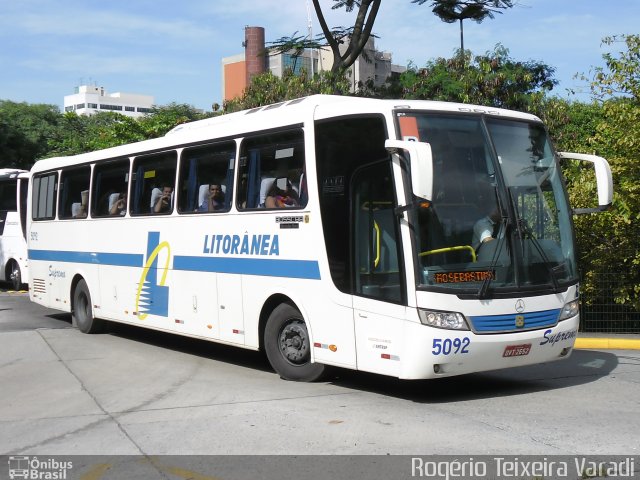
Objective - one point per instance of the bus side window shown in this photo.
(43, 198)
(206, 178)
(110, 187)
(74, 193)
(153, 173)
(271, 168)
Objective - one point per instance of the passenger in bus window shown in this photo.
(214, 200)
(80, 211)
(119, 206)
(163, 202)
(281, 195)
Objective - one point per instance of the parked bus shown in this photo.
(413, 239)
(13, 246)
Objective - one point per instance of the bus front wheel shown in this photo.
(83, 310)
(287, 345)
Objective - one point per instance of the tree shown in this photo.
(25, 130)
(295, 45)
(493, 79)
(358, 35)
(267, 89)
(608, 242)
(451, 11)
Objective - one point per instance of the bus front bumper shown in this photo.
(432, 353)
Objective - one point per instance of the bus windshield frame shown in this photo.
(499, 223)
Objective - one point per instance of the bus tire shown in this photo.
(15, 275)
(83, 310)
(288, 346)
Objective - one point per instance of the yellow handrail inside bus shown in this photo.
(450, 249)
(377, 229)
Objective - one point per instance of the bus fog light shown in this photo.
(448, 320)
(571, 309)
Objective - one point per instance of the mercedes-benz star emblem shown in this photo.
(520, 306)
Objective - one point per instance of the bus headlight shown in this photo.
(571, 309)
(448, 320)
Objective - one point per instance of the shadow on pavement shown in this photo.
(192, 346)
(583, 366)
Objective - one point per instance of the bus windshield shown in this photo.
(499, 220)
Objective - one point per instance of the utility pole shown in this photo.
(310, 32)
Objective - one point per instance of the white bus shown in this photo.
(339, 231)
(13, 246)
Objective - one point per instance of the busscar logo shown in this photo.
(38, 469)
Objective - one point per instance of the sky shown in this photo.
(173, 50)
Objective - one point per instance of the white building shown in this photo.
(371, 64)
(90, 99)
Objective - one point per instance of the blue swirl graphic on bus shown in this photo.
(152, 297)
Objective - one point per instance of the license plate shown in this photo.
(517, 350)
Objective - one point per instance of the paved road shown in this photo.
(139, 392)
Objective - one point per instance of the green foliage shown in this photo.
(25, 131)
(493, 79)
(609, 241)
(570, 124)
(30, 132)
(266, 88)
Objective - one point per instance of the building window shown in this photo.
(104, 106)
(93, 105)
(144, 110)
(129, 109)
(80, 106)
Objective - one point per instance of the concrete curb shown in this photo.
(607, 343)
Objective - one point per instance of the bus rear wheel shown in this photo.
(83, 310)
(15, 275)
(287, 345)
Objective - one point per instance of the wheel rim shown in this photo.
(294, 342)
(14, 276)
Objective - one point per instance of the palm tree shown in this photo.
(451, 11)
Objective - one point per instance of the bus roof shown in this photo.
(10, 172)
(278, 115)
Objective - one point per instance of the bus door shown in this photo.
(379, 297)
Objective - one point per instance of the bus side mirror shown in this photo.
(603, 179)
(421, 162)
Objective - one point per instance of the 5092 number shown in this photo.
(450, 346)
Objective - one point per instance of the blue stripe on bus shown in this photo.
(306, 269)
(98, 258)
